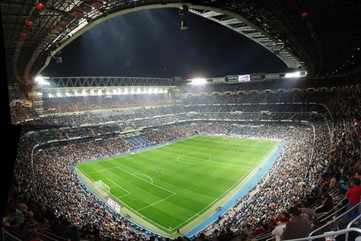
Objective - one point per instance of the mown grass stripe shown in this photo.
(171, 185)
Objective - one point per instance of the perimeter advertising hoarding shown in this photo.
(258, 77)
(244, 78)
(238, 78)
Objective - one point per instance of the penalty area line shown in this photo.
(128, 193)
(156, 202)
(153, 184)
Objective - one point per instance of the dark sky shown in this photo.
(150, 43)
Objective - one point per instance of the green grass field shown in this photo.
(175, 185)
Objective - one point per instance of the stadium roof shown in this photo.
(322, 37)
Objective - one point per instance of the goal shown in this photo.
(102, 187)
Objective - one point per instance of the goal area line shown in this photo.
(200, 220)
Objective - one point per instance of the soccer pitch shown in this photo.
(176, 186)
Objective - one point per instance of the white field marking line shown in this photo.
(183, 161)
(144, 175)
(135, 212)
(139, 215)
(156, 202)
(204, 159)
(160, 187)
(208, 206)
(98, 170)
(128, 193)
(228, 190)
(201, 211)
(217, 163)
(212, 162)
(135, 173)
(156, 224)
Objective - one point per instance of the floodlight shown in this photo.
(58, 94)
(41, 80)
(198, 81)
(84, 93)
(297, 74)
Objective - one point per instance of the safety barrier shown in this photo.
(335, 220)
(328, 235)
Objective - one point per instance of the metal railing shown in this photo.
(332, 234)
(350, 224)
(51, 236)
(265, 236)
(336, 209)
(7, 236)
(335, 219)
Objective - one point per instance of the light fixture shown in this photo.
(297, 74)
(41, 80)
(198, 81)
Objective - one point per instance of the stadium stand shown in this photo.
(75, 104)
(321, 157)
(312, 191)
(138, 142)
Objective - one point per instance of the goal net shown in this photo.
(102, 187)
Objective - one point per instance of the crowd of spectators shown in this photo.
(317, 155)
(69, 200)
(75, 111)
(288, 181)
(76, 104)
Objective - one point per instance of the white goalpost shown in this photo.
(102, 187)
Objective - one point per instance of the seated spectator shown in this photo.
(299, 225)
(309, 212)
(281, 225)
(353, 193)
(332, 183)
(342, 186)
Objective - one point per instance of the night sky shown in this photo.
(150, 43)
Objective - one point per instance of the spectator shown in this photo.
(353, 193)
(298, 226)
(277, 232)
